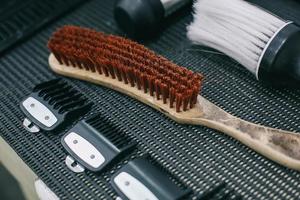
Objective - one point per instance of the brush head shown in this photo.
(244, 32)
(128, 62)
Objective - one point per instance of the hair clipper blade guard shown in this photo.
(141, 179)
(94, 144)
(52, 105)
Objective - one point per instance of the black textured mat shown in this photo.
(200, 157)
(20, 18)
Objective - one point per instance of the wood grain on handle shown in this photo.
(280, 146)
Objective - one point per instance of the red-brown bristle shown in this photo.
(127, 61)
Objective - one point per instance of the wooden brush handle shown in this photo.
(280, 146)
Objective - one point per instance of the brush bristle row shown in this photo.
(126, 61)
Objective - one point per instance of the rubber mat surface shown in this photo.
(198, 156)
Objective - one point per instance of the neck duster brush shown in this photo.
(266, 45)
(134, 70)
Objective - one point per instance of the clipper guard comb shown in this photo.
(94, 144)
(53, 105)
(141, 179)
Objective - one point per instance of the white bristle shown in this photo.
(235, 27)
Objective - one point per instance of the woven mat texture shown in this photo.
(200, 157)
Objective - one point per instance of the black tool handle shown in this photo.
(142, 18)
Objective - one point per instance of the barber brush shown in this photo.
(142, 18)
(134, 70)
(269, 47)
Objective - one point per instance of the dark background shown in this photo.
(9, 188)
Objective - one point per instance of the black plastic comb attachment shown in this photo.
(104, 127)
(53, 105)
(94, 144)
(141, 179)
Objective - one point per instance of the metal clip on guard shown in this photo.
(52, 105)
(94, 144)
